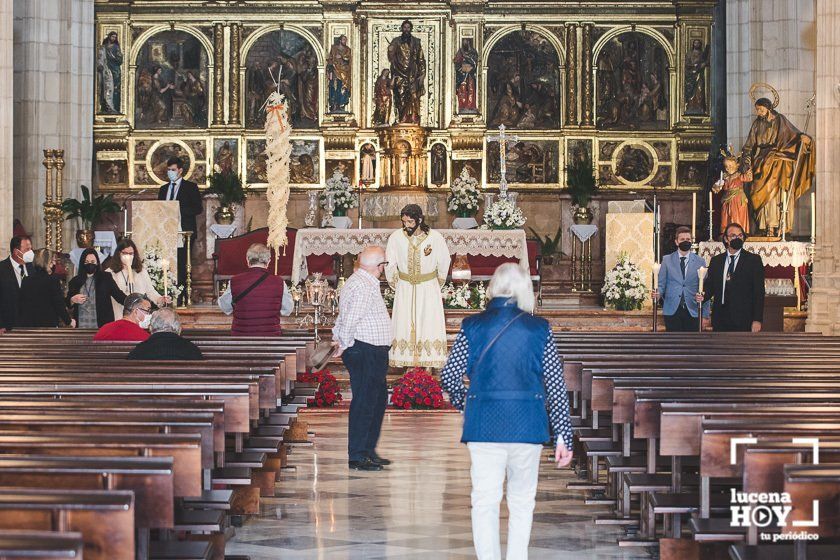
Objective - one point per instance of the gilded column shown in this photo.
(571, 75)
(233, 92)
(218, 74)
(587, 103)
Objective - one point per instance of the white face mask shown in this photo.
(28, 256)
(147, 320)
(173, 175)
(127, 260)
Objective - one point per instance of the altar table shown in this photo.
(486, 243)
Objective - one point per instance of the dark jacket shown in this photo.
(41, 301)
(744, 302)
(190, 201)
(506, 399)
(166, 346)
(106, 289)
(9, 293)
(258, 313)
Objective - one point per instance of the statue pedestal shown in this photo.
(403, 156)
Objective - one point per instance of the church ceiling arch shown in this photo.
(292, 56)
(523, 79)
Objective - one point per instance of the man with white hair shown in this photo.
(166, 342)
(515, 375)
(256, 298)
(362, 336)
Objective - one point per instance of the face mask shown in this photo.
(127, 260)
(147, 320)
(173, 175)
(90, 268)
(28, 256)
(685, 246)
(736, 243)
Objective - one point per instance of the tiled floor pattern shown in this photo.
(419, 508)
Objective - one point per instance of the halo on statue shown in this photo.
(764, 86)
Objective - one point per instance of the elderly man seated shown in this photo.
(166, 342)
(256, 297)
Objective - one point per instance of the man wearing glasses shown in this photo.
(134, 325)
(362, 337)
(735, 284)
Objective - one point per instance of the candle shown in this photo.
(655, 267)
(711, 205)
(813, 215)
(693, 213)
(721, 175)
(701, 275)
(164, 266)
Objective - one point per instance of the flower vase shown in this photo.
(340, 212)
(84, 238)
(224, 215)
(583, 215)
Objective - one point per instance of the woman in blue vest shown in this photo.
(515, 374)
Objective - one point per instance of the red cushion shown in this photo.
(230, 255)
(486, 266)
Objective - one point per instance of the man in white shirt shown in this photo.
(362, 336)
(12, 272)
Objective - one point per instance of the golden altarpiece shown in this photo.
(623, 83)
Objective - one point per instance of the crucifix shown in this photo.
(503, 140)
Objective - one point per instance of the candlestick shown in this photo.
(711, 216)
(813, 216)
(693, 214)
(655, 268)
(721, 174)
(164, 266)
(701, 276)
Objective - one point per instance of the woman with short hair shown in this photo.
(41, 299)
(515, 373)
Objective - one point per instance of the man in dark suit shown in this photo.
(735, 284)
(189, 199)
(12, 272)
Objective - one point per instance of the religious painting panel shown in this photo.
(256, 162)
(438, 164)
(160, 154)
(523, 82)
(578, 150)
(199, 174)
(662, 178)
(632, 84)
(472, 167)
(305, 168)
(141, 175)
(533, 162)
(634, 163)
(692, 173)
(226, 155)
(109, 73)
(282, 60)
(339, 168)
(171, 82)
(339, 76)
(112, 173)
(367, 163)
(141, 149)
(466, 63)
(696, 72)
(199, 149)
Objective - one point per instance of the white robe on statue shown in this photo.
(417, 268)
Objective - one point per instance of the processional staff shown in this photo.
(503, 140)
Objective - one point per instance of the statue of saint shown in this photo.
(696, 62)
(438, 164)
(338, 75)
(109, 65)
(408, 74)
(734, 205)
(368, 164)
(466, 62)
(382, 99)
(774, 151)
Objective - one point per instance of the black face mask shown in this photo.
(736, 243)
(90, 268)
(685, 246)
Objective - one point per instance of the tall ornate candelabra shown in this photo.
(53, 216)
(318, 293)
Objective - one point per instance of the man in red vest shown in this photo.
(256, 297)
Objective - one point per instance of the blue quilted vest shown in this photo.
(506, 399)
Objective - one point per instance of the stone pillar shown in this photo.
(54, 54)
(6, 123)
(823, 310)
(235, 47)
(587, 109)
(571, 75)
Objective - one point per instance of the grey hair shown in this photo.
(510, 281)
(132, 302)
(258, 254)
(165, 320)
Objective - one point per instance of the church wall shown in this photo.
(53, 81)
(6, 121)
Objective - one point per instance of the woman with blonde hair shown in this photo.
(515, 374)
(131, 276)
(41, 300)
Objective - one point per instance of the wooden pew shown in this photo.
(40, 545)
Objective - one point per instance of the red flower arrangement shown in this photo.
(417, 389)
(328, 393)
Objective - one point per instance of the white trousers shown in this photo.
(490, 463)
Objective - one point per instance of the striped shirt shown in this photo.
(362, 314)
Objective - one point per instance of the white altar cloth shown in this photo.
(772, 253)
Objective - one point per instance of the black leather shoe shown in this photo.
(377, 460)
(366, 465)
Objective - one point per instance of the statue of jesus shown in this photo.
(418, 262)
(408, 74)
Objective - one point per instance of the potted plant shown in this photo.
(549, 247)
(89, 211)
(580, 180)
(227, 186)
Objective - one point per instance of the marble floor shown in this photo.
(419, 508)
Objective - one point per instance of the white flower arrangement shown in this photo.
(464, 195)
(153, 263)
(503, 214)
(464, 296)
(342, 193)
(624, 287)
(388, 296)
